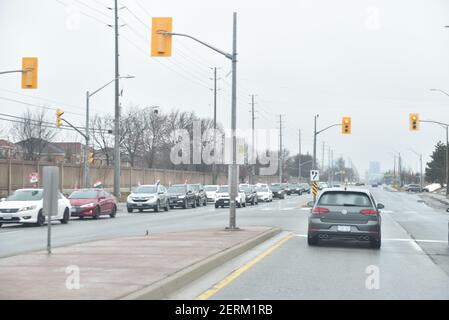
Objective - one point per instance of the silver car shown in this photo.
(148, 197)
(344, 213)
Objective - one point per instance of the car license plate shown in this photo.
(344, 229)
(140, 204)
(7, 217)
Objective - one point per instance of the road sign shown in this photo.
(34, 177)
(314, 189)
(314, 175)
(51, 195)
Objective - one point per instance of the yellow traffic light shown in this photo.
(90, 157)
(29, 73)
(160, 43)
(346, 125)
(414, 121)
(59, 114)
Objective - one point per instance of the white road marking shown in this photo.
(415, 246)
(10, 232)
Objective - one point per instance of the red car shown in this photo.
(92, 203)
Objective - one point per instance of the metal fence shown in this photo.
(15, 174)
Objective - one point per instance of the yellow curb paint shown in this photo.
(234, 275)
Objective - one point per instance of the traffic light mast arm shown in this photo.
(13, 71)
(227, 55)
(436, 122)
(334, 125)
(75, 128)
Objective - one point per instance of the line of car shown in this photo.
(25, 206)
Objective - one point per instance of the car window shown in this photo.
(26, 195)
(146, 189)
(83, 194)
(345, 198)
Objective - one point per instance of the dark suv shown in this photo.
(250, 193)
(200, 194)
(286, 187)
(181, 195)
(341, 213)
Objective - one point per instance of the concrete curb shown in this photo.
(163, 288)
(436, 198)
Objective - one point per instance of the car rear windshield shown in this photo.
(177, 189)
(80, 194)
(344, 198)
(26, 195)
(146, 189)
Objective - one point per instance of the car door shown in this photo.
(103, 201)
(109, 200)
(61, 206)
(163, 196)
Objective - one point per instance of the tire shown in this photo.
(194, 204)
(130, 210)
(65, 217)
(205, 202)
(114, 211)
(140, 210)
(184, 206)
(244, 204)
(157, 208)
(167, 207)
(239, 205)
(376, 243)
(171, 207)
(312, 241)
(0, 224)
(81, 217)
(216, 206)
(40, 219)
(96, 213)
(253, 202)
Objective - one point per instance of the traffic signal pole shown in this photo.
(86, 146)
(117, 108)
(233, 168)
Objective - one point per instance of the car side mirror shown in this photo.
(310, 204)
(380, 206)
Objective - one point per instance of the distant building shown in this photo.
(374, 174)
(40, 149)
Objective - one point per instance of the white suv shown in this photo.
(222, 198)
(26, 206)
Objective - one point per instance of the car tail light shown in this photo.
(368, 212)
(319, 210)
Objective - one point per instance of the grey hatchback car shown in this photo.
(343, 213)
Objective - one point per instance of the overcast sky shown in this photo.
(372, 60)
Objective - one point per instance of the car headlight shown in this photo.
(27, 208)
(129, 199)
(87, 205)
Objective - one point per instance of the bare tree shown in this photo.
(154, 133)
(102, 140)
(133, 129)
(33, 134)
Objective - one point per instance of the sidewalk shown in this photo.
(113, 269)
(438, 197)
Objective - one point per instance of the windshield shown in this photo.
(211, 188)
(348, 199)
(146, 189)
(223, 189)
(26, 195)
(195, 187)
(177, 189)
(262, 189)
(245, 189)
(84, 194)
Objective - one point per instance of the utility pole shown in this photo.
(314, 142)
(233, 168)
(299, 158)
(332, 167)
(281, 157)
(214, 173)
(86, 146)
(253, 155)
(329, 168)
(322, 160)
(117, 108)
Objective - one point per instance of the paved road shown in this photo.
(412, 263)
(18, 239)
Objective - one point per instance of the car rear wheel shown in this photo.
(376, 243)
(184, 206)
(194, 204)
(65, 217)
(40, 219)
(130, 210)
(167, 207)
(114, 212)
(205, 202)
(312, 241)
(216, 206)
(97, 213)
(1, 225)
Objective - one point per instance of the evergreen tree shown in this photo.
(435, 170)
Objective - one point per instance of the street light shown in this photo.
(421, 178)
(86, 147)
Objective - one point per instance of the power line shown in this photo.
(37, 106)
(84, 13)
